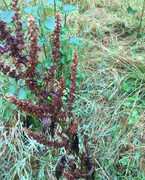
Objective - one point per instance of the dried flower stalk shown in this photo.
(50, 110)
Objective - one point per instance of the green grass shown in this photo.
(111, 92)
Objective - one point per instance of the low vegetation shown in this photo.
(108, 88)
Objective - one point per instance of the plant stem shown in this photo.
(44, 51)
(44, 10)
(6, 5)
(41, 31)
(81, 158)
(65, 20)
(138, 32)
(35, 2)
(78, 154)
(54, 7)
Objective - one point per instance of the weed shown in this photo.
(110, 87)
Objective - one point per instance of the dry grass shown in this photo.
(111, 56)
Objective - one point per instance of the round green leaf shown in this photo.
(41, 41)
(39, 67)
(67, 83)
(25, 25)
(47, 63)
(68, 9)
(28, 9)
(22, 93)
(49, 24)
(75, 41)
(10, 90)
(51, 2)
(7, 16)
(131, 120)
(49, 10)
(34, 9)
(7, 114)
(134, 113)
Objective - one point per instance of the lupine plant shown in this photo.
(50, 105)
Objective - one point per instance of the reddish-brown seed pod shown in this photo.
(73, 84)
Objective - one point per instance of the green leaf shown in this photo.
(127, 113)
(50, 24)
(10, 90)
(63, 34)
(39, 7)
(7, 114)
(28, 0)
(28, 9)
(136, 120)
(133, 120)
(39, 67)
(51, 2)
(131, 11)
(14, 107)
(125, 87)
(65, 92)
(65, 30)
(29, 95)
(75, 41)
(34, 10)
(47, 63)
(7, 16)
(134, 113)
(49, 10)
(135, 23)
(49, 98)
(25, 25)
(64, 98)
(131, 99)
(67, 83)
(66, 74)
(22, 93)
(68, 9)
(41, 40)
(63, 60)
(127, 104)
(81, 75)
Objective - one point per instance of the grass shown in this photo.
(111, 92)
